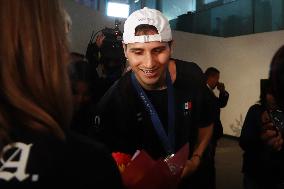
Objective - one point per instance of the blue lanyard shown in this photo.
(167, 141)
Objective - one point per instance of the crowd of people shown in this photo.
(62, 115)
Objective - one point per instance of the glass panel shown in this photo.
(135, 5)
(172, 10)
(90, 3)
(209, 1)
(268, 15)
(150, 4)
(233, 17)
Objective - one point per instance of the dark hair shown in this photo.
(144, 29)
(276, 76)
(211, 71)
(265, 88)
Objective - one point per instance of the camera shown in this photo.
(112, 41)
(277, 118)
(110, 53)
(111, 33)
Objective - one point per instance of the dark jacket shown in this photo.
(219, 102)
(45, 162)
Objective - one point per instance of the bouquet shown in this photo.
(141, 171)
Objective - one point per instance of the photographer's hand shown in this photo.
(270, 133)
(99, 40)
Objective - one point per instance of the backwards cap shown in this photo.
(151, 17)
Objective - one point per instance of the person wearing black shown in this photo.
(84, 94)
(272, 127)
(212, 79)
(276, 76)
(212, 76)
(107, 60)
(37, 150)
(261, 165)
(270, 135)
(149, 107)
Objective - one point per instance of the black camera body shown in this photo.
(110, 53)
(112, 33)
(277, 118)
(113, 39)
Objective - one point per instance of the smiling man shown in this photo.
(160, 104)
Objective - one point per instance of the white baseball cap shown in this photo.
(151, 17)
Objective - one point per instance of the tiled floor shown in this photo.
(228, 164)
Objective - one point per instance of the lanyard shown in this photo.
(167, 141)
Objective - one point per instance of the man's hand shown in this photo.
(221, 87)
(191, 166)
(270, 134)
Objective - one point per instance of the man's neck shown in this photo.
(173, 70)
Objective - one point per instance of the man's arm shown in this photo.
(204, 137)
(223, 96)
(204, 133)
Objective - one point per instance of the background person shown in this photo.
(212, 75)
(212, 79)
(272, 134)
(106, 58)
(84, 94)
(261, 165)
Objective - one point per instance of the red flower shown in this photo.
(122, 160)
(141, 171)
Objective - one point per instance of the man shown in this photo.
(212, 77)
(149, 107)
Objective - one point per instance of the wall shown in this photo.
(242, 60)
(84, 22)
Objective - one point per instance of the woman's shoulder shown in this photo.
(47, 161)
(91, 159)
(87, 150)
(257, 108)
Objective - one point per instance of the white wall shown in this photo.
(242, 60)
(84, 22)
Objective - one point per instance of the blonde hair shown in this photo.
(34, 87)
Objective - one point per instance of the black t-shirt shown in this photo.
(159, 99)
(124, 125)
(46, 162)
